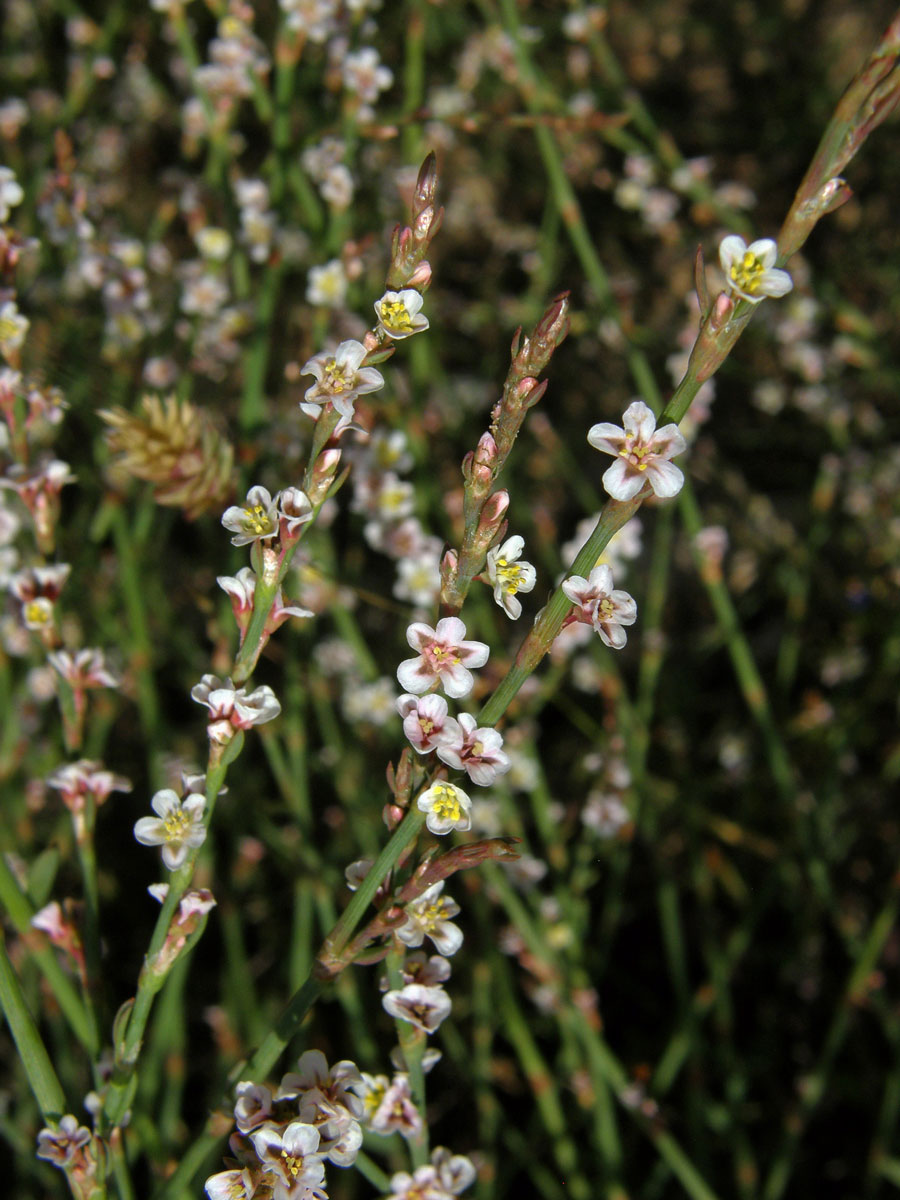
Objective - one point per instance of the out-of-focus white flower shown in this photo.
(418, 580)
(642, 454)
(507, 576)
(447, 807)
(291, 1156)
(399, 313)
(750, 270)
(444, 656)
(327, 285)
(13, 327)
(178, 826)
(364, 74)
(11, 192)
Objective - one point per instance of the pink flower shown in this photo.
(642, 452)
(444, 657)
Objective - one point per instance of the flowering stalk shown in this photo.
(483, 511)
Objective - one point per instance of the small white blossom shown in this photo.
(507, 576)
(599, 605)
(364, 74)
(444, 656)
(61, 1146)
(429, 916)
(232, 708)
(340, 378)
(750, 270)
(448, 807)
(424, 1007)
(424, 720)
(256, 521)
(399, 313)
(291, 1157)
(13, 327)
(178, 827)
(642, 452)
(476, 751)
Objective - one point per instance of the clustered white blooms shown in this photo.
(750, 270)
(507, 575)
(178, 826)
(642, 454)
(601, 606)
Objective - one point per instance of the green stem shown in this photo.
(35, 1059)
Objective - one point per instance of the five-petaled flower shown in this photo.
(447, 807)
(429, 916)
(642, 454)
(256, 521)
(750, 270)
(600, 605)
(340, 377)
(424, 720)
(507, 575)
(232, 708)
(424, 1007)
(444, 656)
(178, 826)
(478, 752)
(399, 313)
(291, 1156)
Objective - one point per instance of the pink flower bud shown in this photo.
(421, 277)
(721, 311)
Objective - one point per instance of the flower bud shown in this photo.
(421, 277)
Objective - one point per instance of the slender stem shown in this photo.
(42, 1078)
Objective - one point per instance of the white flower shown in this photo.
(11, 193)
(62, 1145)
(14, 326)
(340, 378)
(327, 285)
(256, 521)
(230, 1185)
(364, 74)
(178, 827)
(291, 1157)
(607, 610)
(444, 656)
(424, 719)
(448, 807)
(418, 579)
(389, 1106)
(507, 576)
(399, 313)
(750, 271)
(424, 1007)
(429, 916)
(642, 452)
(232, 708)
(476, 751)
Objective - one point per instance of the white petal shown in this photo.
(620, 482)
(665, 478)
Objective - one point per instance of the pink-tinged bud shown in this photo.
(467, 464)
(392, 815)
(524, 386)
(449, 563)
(404, 240)
(486, 451)
(721, 311)
(421, 277)
(323, 474)
(370, 341)
(270, 564)
(492, 516)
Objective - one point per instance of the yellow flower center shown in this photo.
(176, 825)
(446, 804)
(291, 1164)
(334, 377)
(38, 612)
(256, 519)
(605, 609)
(395, 315)
(747, 274)
(511, 575)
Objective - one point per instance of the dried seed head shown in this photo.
(175, 447)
